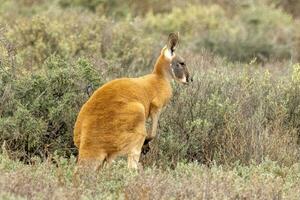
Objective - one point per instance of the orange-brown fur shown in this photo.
(112, 122)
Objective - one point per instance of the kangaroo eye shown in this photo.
(182, 63)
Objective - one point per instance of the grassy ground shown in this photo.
(243, 104)
(45, 180)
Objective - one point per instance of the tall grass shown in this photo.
(44, 180)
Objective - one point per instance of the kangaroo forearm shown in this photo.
(153, 131)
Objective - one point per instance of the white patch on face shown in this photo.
(168, 54)
(183, 79)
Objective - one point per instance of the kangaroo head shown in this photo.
(180, 71)
(178, 68)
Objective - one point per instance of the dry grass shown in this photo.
(51, 51)
(187, 181)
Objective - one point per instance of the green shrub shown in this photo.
(84, 3)
(57, 33)
(41, 108)
(113, 46)
(257, 31)
(230, 115)
(123, 9)
(254, 31)
(189, 20)
(227, 115)
(126, 47)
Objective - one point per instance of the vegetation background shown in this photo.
(232, 134)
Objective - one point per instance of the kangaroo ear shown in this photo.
(173, 41)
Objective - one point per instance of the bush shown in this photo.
(84, 3)
(190, 20)
(38, 39)
(124, 9)
(41, 108)
(228, 116)
(291, 6)
(255, 31)
(113, 46)
(259, 31)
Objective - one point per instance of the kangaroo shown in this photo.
(113, 120)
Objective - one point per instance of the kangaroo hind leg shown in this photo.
(135, 152)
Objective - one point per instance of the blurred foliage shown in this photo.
(290, 6)
(257, 31)
(71, 35)
(74, 28)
